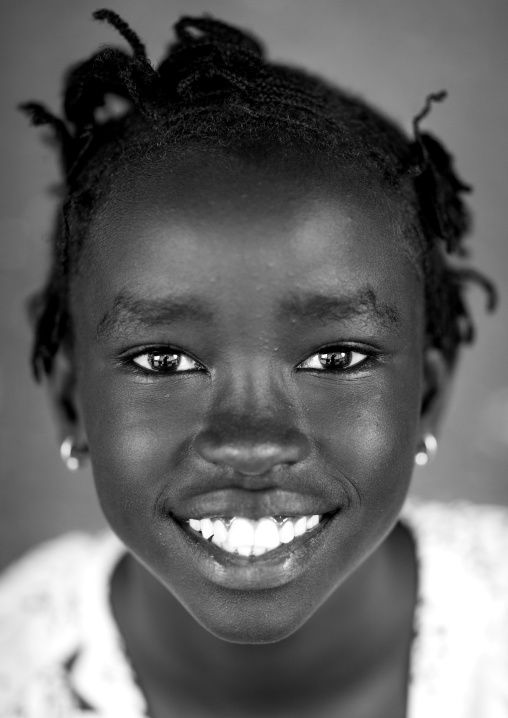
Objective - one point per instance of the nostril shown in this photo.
(249, 457)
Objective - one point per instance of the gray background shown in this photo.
(392, 51)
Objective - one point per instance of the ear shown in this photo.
(436, 384)
(61, 383)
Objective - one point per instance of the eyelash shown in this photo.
(368, 356)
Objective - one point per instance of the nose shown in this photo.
(252, 451)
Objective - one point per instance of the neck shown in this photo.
(366, 619)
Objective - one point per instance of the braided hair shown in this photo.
(215, 88)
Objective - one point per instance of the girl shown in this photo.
(249, 328)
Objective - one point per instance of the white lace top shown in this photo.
(61, 654)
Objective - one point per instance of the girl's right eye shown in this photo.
(159, 362)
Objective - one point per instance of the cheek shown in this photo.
(138, 439)
(367, 432)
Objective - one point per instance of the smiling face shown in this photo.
(249, 343)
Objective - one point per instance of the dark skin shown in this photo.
(254, 416)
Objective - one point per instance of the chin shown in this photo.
(259, 619)
(252, 632)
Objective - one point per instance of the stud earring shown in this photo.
(427, 454)
(72, 458)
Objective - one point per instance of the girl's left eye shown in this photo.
(165, 362)
(334, 360)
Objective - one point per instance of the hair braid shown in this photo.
(216, 86)
(444, 217)
(125, 31)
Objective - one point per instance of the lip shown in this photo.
(270, 570)
(253, 505)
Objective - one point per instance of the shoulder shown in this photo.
(476, 534)
(43, 581)
(52, 555)
(40, 610)
(460, 651)
(461, 550)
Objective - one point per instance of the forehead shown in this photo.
(211, 180)
(256, 230)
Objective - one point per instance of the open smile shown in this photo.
(246, 554)
(247, 537)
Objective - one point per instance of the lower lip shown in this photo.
(270, 570)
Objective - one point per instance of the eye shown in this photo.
(159, 362)
(336, 359)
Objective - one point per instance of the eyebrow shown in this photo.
(130, 313)
(319, 308)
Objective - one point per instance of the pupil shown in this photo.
(335, 360)
(164, 361)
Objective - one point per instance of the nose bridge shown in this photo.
(252, 393)
(252, 425)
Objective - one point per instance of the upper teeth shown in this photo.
(252, 538)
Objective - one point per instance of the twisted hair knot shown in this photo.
(210, 59)
(216, 85)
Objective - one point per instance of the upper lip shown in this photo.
(253, 504)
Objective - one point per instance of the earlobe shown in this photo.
(435, 388)
(72, 456)
(61, 384)
(428, 450)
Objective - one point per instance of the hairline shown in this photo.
(136, 156)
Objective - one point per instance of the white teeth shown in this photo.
(253, 538)
(244, 550)
(287, 532)
(241, 536)
(312, 521)
(220, 532)
(258, 550)
(206, 528)
(266, 534)
(300, 526)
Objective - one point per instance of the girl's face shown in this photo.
(249, 343)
